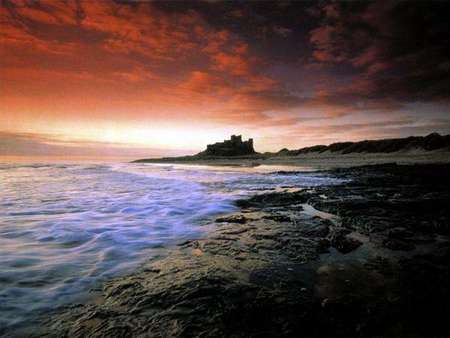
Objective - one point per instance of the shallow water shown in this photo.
(64, 228)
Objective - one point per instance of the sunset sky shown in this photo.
(163, 78)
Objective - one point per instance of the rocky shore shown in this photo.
(367, 258)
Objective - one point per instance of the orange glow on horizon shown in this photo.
(150, 74)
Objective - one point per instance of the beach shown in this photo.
(67, 228)
(366, 254)
(325, 160)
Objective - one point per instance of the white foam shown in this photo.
(64, 227)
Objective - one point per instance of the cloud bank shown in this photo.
(269, 69)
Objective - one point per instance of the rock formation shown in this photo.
(232, 147)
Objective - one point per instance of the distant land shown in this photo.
(430, 142)
(431, 148)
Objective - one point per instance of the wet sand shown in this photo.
(367, 258)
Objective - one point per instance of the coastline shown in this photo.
(326, 160)
(278, 268)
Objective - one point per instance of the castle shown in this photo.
(232, 147)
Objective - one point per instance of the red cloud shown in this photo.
(234, 64)
(136, 55)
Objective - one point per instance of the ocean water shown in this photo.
(66, 227)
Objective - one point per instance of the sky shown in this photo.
(149, 78)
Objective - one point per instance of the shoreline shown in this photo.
(276, 269)
(325, 161)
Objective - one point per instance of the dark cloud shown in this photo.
(399, 49)
(232, 64)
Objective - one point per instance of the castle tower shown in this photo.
(235, 139)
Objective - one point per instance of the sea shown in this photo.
(67, 227)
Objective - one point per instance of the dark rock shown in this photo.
(249, 280)
(399, 233)
(397, 244)
(320, 230)
(344, 244)
(274, 200)
(323, 245)
(240, 219)
(278, 218)
(338, 232)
